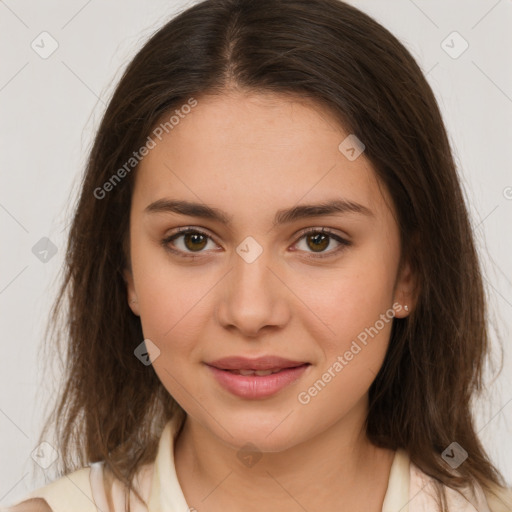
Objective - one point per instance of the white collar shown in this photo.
(170, 498)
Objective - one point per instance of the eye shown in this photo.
(192, 240)
(320, 239)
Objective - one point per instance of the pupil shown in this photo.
(194, 237)
(317, 237)
(320, 241)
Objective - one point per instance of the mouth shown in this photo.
(257, 378)
(263, 363)
(261, 373)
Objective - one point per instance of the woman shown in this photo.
(275, 298)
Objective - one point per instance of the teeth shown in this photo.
(260, 373)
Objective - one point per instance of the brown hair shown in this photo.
(113, 407)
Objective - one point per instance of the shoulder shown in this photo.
(500, 500)
(422, 496)
(86, 490)
(30, 505)
(73, 488)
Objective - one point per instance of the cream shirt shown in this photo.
(409, 489)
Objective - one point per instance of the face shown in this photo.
(256, 277)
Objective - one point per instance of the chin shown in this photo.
(268, 436)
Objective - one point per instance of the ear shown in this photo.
(405, 296)
(131, 294)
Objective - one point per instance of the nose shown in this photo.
(253, 298)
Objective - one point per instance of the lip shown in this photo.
(259, 363)
(257, 387)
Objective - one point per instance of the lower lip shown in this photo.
(253, 386)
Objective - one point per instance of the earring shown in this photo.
(406, 307)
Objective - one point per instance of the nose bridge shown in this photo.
(253, 296)
(250, 273)
(251, 280)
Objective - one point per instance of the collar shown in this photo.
(170, 498)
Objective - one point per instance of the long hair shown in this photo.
(113, 408)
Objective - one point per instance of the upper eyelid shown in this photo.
(303, 232)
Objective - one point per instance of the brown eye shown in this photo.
(318, 240)
(187, 241)
(194, 241)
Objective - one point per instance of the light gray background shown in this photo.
(51, 107)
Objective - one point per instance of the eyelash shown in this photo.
(183, 231)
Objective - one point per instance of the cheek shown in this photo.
(170, 297)
(361, 318)
(349, 299)
(172, 313)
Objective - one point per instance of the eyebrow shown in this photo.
(282, 216)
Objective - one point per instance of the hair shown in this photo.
(113, 408)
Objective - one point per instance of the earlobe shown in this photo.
(130, 289)
(134, 306)
(405, 292)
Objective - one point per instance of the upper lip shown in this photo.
(259, 363)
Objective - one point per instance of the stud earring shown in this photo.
(406, 307)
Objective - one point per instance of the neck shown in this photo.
(339, 463)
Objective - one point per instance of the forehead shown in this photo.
(246, 152)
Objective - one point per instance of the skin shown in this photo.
(251, 155)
